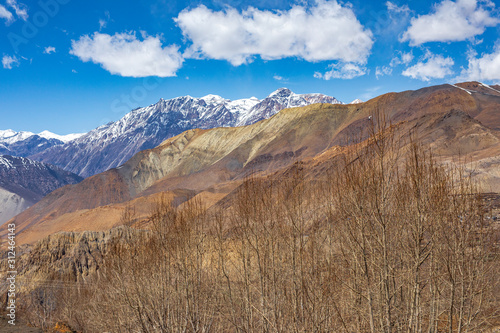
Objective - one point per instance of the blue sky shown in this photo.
(69, 66)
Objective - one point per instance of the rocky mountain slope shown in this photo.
(25, 144)
(23, 182)
(113, 144)
(211, 163)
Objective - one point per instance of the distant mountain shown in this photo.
(26, 143)
(23, 182)
(111, 145)
(458, 122)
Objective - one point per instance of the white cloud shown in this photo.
(403, 58)
(406, 58)
(6, 15)
(102, 24)
(381, 71)
(452, 21)
(484, 68)
(431, 67)
(9, 62)
(20, 9)
(391, 7)
(124, 54)
(344, 71)
(325, 31)
(49, 50)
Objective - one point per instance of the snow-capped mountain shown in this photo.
(64, 138)
(111, 145)
(278, 100)
(23, 182)
(356, 101)
(27, 143)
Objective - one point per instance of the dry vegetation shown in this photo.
(390, 242)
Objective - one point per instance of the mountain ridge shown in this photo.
(23, 182)
(211, 162)
(25, 144)
(111, 145)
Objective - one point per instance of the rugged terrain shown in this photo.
(456, 122)
(113, 144)
(269, 193)
(23, 182)
(25, 144)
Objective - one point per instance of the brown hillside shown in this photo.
(212, 163)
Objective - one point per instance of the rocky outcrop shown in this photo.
(67, 256)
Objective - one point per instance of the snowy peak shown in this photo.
(64, 138)
(9, 136)
(7, 133)
(280, 99)
(356, 101)
(213, 98)
(111, 145)
(243, 104)
(27, 143)
(281, 92)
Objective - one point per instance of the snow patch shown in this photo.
(468, 91)
(213, 98)
(64, 138)
(487, 86)
(279, 92)
(6, 163)
(9, 136)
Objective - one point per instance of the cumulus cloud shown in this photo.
(20, 9)
(9, 62)
(431, 67)
(49, 50)
(6, 15)
(452, 21)
(344, 71)
(325, 31)
(484, 68)
(126, 55)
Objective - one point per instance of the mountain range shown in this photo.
(25, 144)
(111, 145)
(455, 121)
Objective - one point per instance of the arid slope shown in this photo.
(455, 121)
